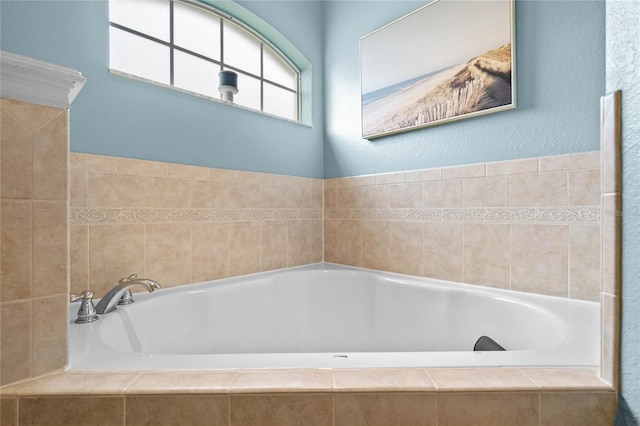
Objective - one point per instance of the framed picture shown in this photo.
(448, 60)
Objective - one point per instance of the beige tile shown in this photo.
(406, 248)
(182, 382)
(389, 178)
(275, 381)
(330, 199)
(31, 116)
(115, 251)
(9, 411)
(485, 192)
(584, 262)
(50, 159)
(566, 378)
(331, 240)
(424, 175)
(359, 181)
(442, 194)
(166, 192)
(74, 383)
(168, 253)
(273, 197)
(330, 183)
(405, 196)
(577, 408)
(317, 242)
(244, 196)
(466, 171)
(78, 182)
(184, 171)
(375, 197)
(375, 244)
(480, 379)
(545, 189)
(513, 167)
(539, 259)
(244, 248)
(50, 248)
(584, 187)
(94, 163)
(488, 408)
(16, 177)
(209, 195)
(610, 142)
(79, 258)
(234, 177)
(15, 341)
(17, 251)
(209, 251)
(349, 198)
(130, 166)
(65, 411)
(610, 349)
(486, 257)
(382, 380)
(583, 160)
(317, 195)
(297, 198)
(274, 242)
(442, 244)
(611, 240)
(299, 242)
(109, 190)
(386, 409)
(281, 410)
(49, 334)
(349, 236)
(177, 410)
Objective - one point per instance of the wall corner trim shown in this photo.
(29, 80)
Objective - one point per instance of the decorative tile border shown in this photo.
(107, 216)
(540, 215)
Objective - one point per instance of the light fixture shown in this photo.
(228, 85)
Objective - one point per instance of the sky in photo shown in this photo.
(437, 36)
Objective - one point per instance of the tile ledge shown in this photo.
(574, 379)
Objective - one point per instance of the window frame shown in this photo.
(224, 19)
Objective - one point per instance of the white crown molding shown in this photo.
(29, 80)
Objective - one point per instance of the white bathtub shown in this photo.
(332, 316)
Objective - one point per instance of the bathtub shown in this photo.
(332, 316)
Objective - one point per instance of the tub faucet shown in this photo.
(113, 296)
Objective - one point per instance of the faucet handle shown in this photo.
(127, 279)
(87, 312)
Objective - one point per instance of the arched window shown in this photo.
(185, 45)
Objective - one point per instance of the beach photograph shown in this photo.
(448, 60)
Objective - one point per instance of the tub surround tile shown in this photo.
(49, 338)
(209, 195)
(15, 318)
(610, 359)
(274, 245)
(181, 382)
(79, 258)
(192, 410)
(566, 379)
(382, 380)
(166, 192)
(9, 411)
(466, 171)
(50, 247)
(479, 379)
(442, 194)
(209, 251)
(486, 408)
(31, 116)
(349, 198)
(244, 248)
(50, 181)
(349, 247)
(279, 381)
(513, 167)
(375, 197)
(185, 171)
(381, 409)
(610, 142)
(443, 253)
(16, 246)
(611, 243)
(244, 196)
(424, 175)
(16, 180)
(405, 248)
(546, 189)
(78, 183)
(486, 255)
(583, 160)
(584, 187)
(273, 197)
(71, 383)
(64, 411)
(577, 408)
(375, 243)
(168, 254)
(584, 262)
(389, 178)
(487, 191)
(130, 166)
(115, 190)
(94, 163)
(405, 196)
(281, 410)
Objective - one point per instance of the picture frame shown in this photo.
(446, 61)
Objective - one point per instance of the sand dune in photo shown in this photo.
(483, 82)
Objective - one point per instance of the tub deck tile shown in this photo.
(382, 380)
(182, 382)
(278, 381)
(558, 379)
(480, 379)
(74, 383)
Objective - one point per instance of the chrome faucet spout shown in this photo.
(110, 300)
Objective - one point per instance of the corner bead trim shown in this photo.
(29, 80)
(108, 216)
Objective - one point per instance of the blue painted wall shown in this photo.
(560, 54)
(121, 117)
(623, 73)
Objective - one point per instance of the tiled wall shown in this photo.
(34, 230)
(529, 225)
(180, 224)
